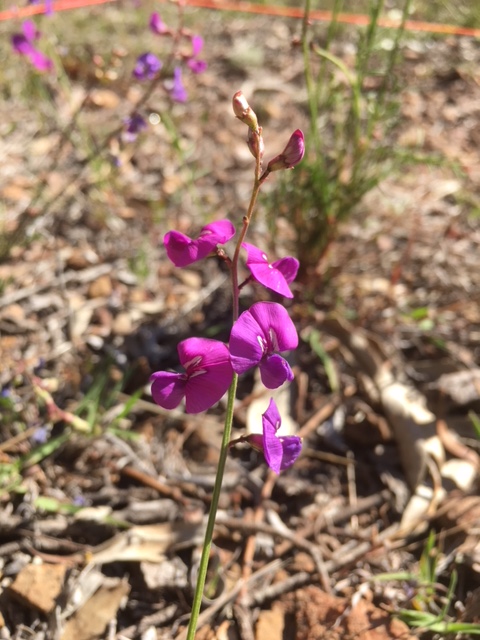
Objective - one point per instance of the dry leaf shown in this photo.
(147, 543)
(90, 621)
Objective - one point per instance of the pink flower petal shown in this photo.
(30, 31)
(157, 25)
(246, 350)
(183, 250)
(274, 371)
(197, 45)
(276, 323)
(280, 453)
(288, 267)
(205, 390)
(40, 61)
(168, 389)
(209, 372)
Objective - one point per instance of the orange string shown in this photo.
(248, 7)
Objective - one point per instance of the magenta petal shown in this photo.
(202, 353)
(280, 453)
(271, 278)
(246, 350)
(197, 66)
(21, 45)
(274, 371)
(220, 230)
(209, 372)
(40, 61)
(264, 272)
(276, 324)
(30, 30)
(288, 267)
(272, 447)
(292, 446)
(205, 390)
(197, 45)
(178, 93)
(181, 250)
(168, 389)
(157, 25)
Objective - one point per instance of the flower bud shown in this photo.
(291, 155)
(255, 143)
(243, 111)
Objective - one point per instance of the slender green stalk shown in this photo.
(207, 544)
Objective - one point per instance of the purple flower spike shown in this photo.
(208, 374)
(197, 45)
(133, 125)
(157, 25)
(275, 276)
(183, 251)
(280, 452)
(257, 337)
(196, 65)
(147, 66)
(22, 43)
(178, 92)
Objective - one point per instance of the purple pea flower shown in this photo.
(48, 5)
(178, 92)
(147, 66)
(257, 337)
(133, 125)
(40, 435)
(280, 451)
(22, 43)
(275, 276)
(208, 374)
(183, 251)
(196, 65)
(291, 155)
(157, 25)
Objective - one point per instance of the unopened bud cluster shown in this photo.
(290, 156)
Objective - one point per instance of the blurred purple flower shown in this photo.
(196, 65)
(280, 451)
(178, 92)
(208, 374)
(40, 435)
(22, 43)
(157, 25)
(275, 276)
(147, 66)
(133, 125)
(291, 155)
(48, 5)
(257, 337)
(183, 251)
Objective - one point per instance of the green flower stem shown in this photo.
(207, 543)
(259, 180)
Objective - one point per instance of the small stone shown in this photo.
(39, 585)
(122, 324)
(101, 287)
